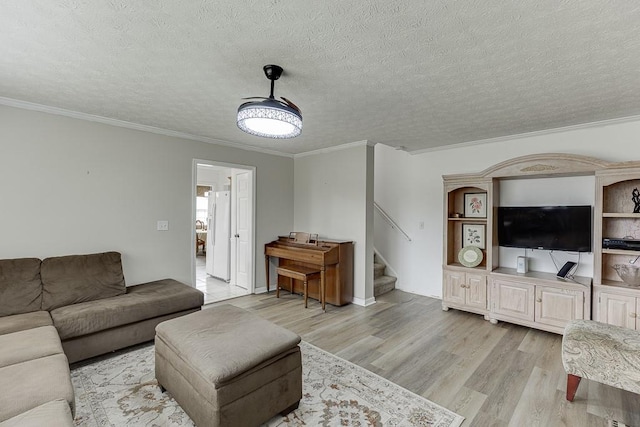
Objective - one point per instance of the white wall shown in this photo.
(577, 190)
(214, 176)
(69, 186)
(409, 188)
(333, 198)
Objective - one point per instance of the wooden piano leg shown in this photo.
(266, 269)
(306, 291)
(322, 289)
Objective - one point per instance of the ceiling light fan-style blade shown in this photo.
(291, 104)
(256, 97)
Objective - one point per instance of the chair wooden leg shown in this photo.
(572, 386)
(278, 287)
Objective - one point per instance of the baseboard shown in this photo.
(260, 290)
(364, 302)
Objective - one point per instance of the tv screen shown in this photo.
(562, 228)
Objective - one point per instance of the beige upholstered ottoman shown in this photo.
(228, 367)
(600, 352)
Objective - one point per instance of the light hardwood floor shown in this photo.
(494, 375)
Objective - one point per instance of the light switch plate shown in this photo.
(163, 225)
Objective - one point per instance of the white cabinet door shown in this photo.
(617, 310)
(454, 287)
(555, 307)
(243, 223)
(476, 286)
(514, 299)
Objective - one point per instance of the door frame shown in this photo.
(252, 236)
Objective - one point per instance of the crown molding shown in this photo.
(10, 102)
(580, 126)
(335, 148)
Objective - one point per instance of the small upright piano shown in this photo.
(334, 259)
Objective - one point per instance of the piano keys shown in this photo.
(334, 259)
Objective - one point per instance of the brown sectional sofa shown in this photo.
(65, 309)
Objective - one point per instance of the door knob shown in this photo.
(236, 235)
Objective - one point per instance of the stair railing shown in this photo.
(391, 221)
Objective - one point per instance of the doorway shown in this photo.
(224, 218)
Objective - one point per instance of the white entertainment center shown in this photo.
(484, 283)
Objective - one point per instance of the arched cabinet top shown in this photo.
(547, 164)
(544, 165)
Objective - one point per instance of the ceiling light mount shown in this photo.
(270, 118)
(273, 72)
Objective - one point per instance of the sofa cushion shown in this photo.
(21, 322)
(141, 302)
(33, 383)
(79, 278)
(20, 286)
(51, 414)
(29, 345)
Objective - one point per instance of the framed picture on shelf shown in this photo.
(473, 235)
(475, 205)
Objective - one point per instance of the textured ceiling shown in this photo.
(404, 73)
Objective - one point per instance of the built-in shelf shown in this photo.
(462, 267)
(621, 252)
(620, 215)
(536, 299)
(615, 302)
(619, 284)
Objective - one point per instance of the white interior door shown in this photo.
(243, 228)
(210, 232)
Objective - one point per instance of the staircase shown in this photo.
(381, 283)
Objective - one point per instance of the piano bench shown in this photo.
(305, 274)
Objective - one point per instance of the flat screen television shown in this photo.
(562, 228)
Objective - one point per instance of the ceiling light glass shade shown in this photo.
(269, 119)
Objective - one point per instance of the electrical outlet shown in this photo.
(421, 225)
(163, 226)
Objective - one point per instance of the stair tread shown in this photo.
(378, 270)
(384, 279)
(383, 284)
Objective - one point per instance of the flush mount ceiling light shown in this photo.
(270, 118)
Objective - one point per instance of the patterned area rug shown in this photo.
(121, 390)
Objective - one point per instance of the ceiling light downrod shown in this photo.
(270, 118)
